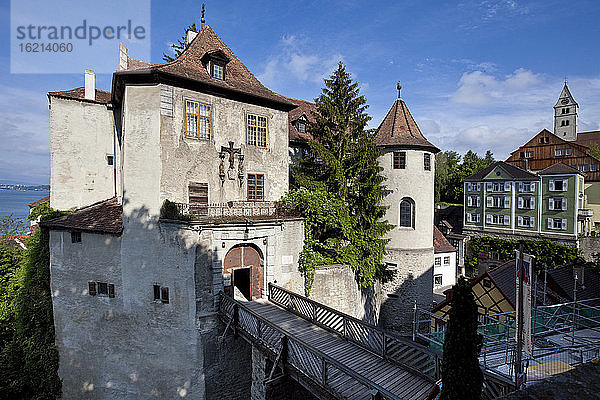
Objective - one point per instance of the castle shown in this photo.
(135, 287)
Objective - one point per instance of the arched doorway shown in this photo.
(242, 270)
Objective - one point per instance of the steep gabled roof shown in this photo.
(102, 217)
(303, 108)
(588, 139)
(440, 243)
(102, 97)
(191, 66)
(559, 169)
(399, 128)
(565, 94)
(515, 172)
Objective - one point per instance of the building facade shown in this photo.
(506, 201)
(570, 147)
(445, 269)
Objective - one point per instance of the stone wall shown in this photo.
(336, 287)
(589, 246)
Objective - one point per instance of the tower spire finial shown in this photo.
(565, 81)
(202, 20)
(399, 87)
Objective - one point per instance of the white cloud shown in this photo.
(295, 61)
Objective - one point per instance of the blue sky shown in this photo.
(476, 74)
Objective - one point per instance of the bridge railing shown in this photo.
(291, 351)
(411, 355)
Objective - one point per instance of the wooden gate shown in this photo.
(239, 257)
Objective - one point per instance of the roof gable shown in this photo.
(102, 217)
(560, 169)
(565, 98)
(440, 243)
(497, 173)
(512, 172)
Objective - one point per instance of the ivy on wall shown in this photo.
(547, 254)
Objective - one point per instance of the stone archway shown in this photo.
(242, 268)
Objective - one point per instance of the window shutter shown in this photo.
(478, 218)
(469, 187)
(478, 201)
(198, 198)
(478, 186)
(564, 224)
(565, 185)
(551, 185)
(520, 200)
(564, 203)
(156, 292)
(506, 220)
(520, 221)
(469, 201)
(488, 218)
(506, 186)
(92, 288)
(520, 186)
(532, 203)
(490, 201)
(164, 294)
(549, 223)
(111, 290)
(550, 203)
(532, 187)
(468, 217)
(506, 201)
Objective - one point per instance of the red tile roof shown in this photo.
(102, 217)
(191, 65)
(305, 108)
(399, 128)
(440, 243)
(40, 201)
(588, 138)
(102, 97)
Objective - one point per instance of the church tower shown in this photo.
(565, 116)
(408, 163)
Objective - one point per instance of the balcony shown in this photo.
(583, 213)
(236, 211)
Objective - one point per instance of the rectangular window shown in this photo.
(568, 152)
(101, 289)
(437, 280)
(559, 152)
(197, 116)
(75, 237)
(529, 154)
(256, 130)
(198, 198)
(301, 127)
(438, 261)
(399, 161)
(593, 167)
(557, 224)
(217, 71)
(446, 260)
(256, 187)
(110, 160)
(427, 161)
(161, 294)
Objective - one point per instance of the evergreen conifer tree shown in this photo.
(181, 44)
(462, 378)
(343, 168)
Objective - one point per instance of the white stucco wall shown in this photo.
(186, 160)
(81, 137)
(447, 271)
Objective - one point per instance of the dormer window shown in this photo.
(215, 63)
(301, 127)
(218, 71)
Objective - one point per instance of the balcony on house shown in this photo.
(236, 210)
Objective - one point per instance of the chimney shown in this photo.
(191, 35)
(122, 57)
(90, 84)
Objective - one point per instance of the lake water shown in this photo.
(15, 202)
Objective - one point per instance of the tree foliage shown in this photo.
(594, 151)
(461, 375)
(179, 47)
(547, 254)
(339, 186)
(28, 357)
(450, 171)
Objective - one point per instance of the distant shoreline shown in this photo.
(23, 188)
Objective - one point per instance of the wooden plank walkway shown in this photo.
(402, 382)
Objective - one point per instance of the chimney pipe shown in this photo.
(123, 59)
(90, 84)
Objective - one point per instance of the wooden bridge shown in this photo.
(332, 354)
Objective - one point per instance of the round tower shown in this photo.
(408, 163)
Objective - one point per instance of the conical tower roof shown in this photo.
(399, 128)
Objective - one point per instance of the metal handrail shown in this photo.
(386, 337)
(324, 357)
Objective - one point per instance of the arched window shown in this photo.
(407, 212)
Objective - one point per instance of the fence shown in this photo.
(236, 209)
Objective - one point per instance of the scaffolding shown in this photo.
(563, 335)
